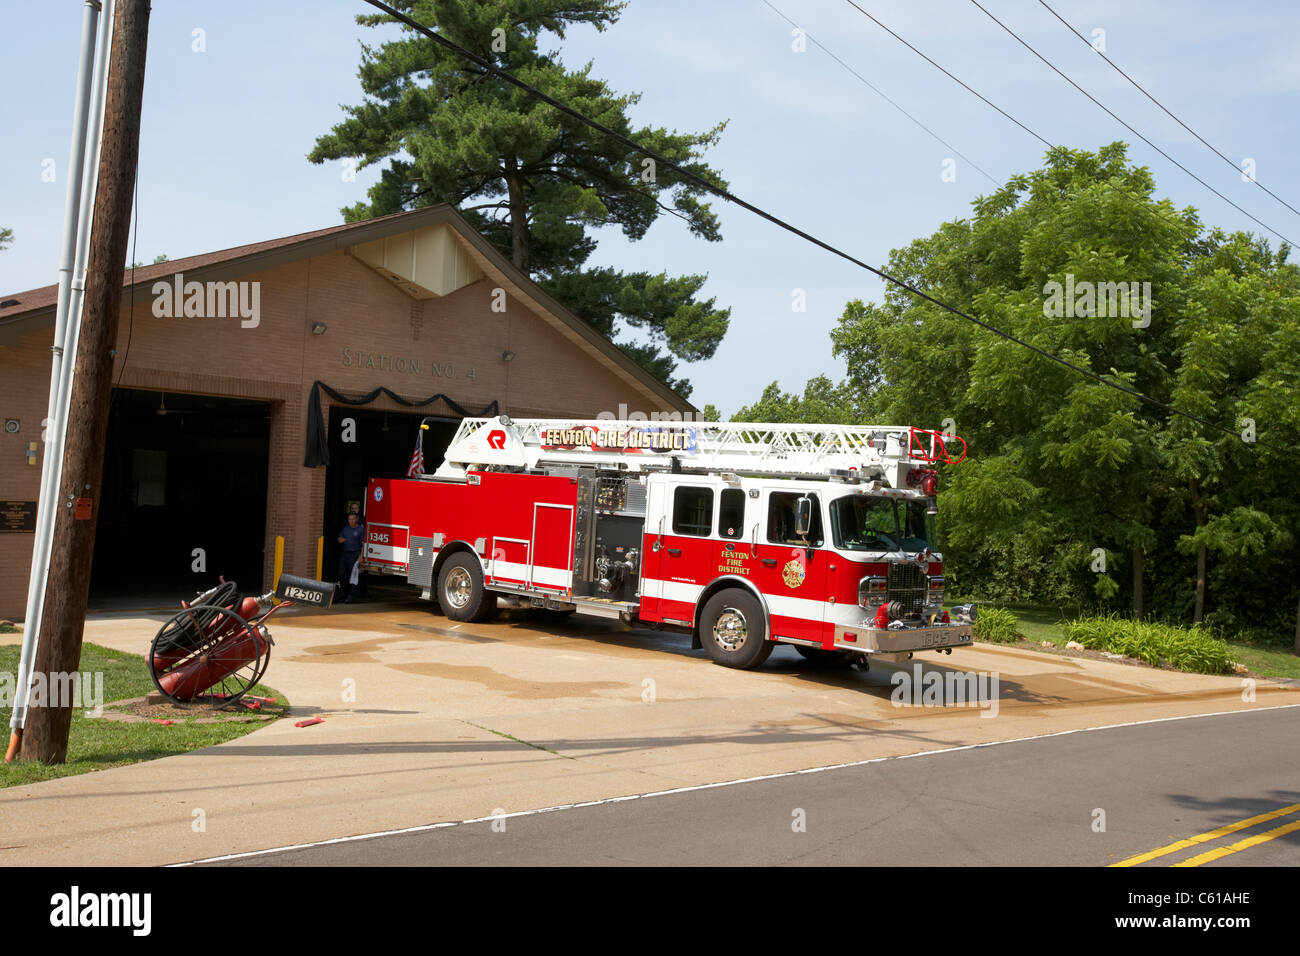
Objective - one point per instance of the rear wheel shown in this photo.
(460, 590)
(733, 631)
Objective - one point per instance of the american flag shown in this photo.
(416, 468)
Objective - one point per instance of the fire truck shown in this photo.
(743, 535)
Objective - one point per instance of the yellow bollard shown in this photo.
(279, 561)
(320, 557)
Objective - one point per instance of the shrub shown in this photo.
(996, 625)
(1186, 648)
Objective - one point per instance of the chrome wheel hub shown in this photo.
(730, 629)
(459, 587)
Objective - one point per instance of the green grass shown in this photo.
(1038, 624)
(96, 744)
(1186, 648)
(1271, 657)
(996, 625)
(1267, 659)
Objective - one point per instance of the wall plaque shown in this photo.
(17, 516)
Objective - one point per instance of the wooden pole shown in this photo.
(59, 652)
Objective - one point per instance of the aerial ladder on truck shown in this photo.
(744, 534)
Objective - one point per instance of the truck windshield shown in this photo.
(866, 523)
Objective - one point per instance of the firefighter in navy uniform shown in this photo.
(352, 537)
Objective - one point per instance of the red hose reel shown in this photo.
(216, 648)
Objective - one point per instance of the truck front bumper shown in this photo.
(879, 640)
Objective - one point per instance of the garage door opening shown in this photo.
(380, 447)
(184, 497)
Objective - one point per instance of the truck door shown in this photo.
(792, 569)
(680, 557)
(652, 548)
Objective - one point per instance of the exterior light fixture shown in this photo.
(318, 328)
(507, 356)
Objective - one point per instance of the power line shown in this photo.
(1156, 213)
(1128, 127)
(875, 90)
(1235, 167)
(726, 194)
(949, 75)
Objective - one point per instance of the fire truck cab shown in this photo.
(746, 535)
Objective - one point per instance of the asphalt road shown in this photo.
(1030, 802)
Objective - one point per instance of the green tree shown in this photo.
(532, 179)
(1070, 480)
(1233, 346)
(6, 237)
(822, 402)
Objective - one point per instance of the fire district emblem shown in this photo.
(793, 573)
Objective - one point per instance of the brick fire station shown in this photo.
(258, 388)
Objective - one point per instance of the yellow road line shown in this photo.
(1223, 851)
(1211, 835)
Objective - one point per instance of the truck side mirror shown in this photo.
(802, 515)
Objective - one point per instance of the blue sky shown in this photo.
(225, 132)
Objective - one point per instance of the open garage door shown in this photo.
(375, 445)
(184, 497)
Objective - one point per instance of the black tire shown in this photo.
(820, 657)
(733, 631)
(461, 594)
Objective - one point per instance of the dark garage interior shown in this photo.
(382, 447)
(181, 472)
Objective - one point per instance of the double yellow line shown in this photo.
(1220, 852)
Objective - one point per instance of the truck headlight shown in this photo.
(872, 591)
(935, 594)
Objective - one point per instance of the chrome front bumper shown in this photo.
(879, 640)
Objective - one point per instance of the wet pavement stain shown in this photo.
(1038, 657)
(448, 632)
(352, 652)
(517, 687)
(524, 628)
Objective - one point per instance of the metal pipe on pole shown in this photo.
(45, 737)
(76, 240)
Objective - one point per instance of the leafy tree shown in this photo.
(6, 237)
(822, 401)
(1070, 483)
(532, 179)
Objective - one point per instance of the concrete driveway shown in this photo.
(427, 720)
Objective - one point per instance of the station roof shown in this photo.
(24, 312)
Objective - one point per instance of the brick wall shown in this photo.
(376, 335)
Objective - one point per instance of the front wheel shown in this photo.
(733, 631)
(460, 590)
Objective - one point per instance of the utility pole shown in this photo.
(77, 504)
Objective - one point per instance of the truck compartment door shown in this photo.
(551, 567)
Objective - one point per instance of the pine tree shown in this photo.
(532, 179)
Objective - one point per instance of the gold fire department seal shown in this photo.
(793, 573)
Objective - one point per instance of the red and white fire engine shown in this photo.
(745, 535)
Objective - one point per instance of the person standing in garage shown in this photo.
(352, 538)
